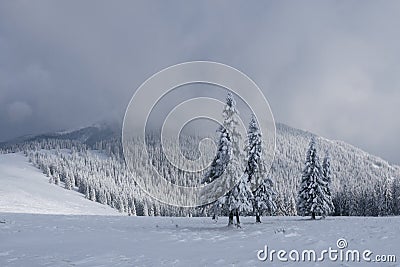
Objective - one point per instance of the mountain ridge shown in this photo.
(95, 132)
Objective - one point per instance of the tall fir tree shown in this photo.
(327, 177)
(264, 193)
(312, 199)
(217, 168)
(228, 158)
(235, 167)
(254, 152)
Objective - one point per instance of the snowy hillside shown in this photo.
(362, 184)
(49, 240)
(24, 189)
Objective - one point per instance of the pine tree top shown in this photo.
(230, 101)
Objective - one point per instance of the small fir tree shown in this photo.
(312, 199)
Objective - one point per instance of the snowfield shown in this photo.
(42, 224)
(24, 189)
(65, 240)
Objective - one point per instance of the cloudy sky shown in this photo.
(330, 67)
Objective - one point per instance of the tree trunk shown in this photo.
(313, 215)
(258, 218)
(237, 219)
(230, 222)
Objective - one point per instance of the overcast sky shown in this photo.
(330, 67)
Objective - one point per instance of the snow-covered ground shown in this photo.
(78, 239)
(24, 189)
(58, 240)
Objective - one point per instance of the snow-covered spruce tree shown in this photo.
(67, 181)
(312, 198)
(240, 199)
(133, 208)
(227, 160)
(264, 199)
(291, 211)
(254, 152)
(145, 209)
(47, 171)
(327, 177)
(222, 158)
(56, 178)
(151, 210)
(92, 194)
(264, 194)
(218, 167)
(235, 167)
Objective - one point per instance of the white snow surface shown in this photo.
(65, 240)
(24, 189)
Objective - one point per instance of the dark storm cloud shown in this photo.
(330, 67)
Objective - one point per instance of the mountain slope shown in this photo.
(363, 184)
(24, 189)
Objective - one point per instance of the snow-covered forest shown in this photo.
(362, 185)
(90, 161)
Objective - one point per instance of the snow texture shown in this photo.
(55, 240)
(24, 189)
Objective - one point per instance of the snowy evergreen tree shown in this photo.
(133, 208)
(235, 167)
(254, 153)
(229, 141)
(93, 194)
(240, 199)
(312, 198)
(228, 158)
(56, 178)
(67, 181)
(292, 210)
(264, 199)
(47, 172)
(327, 178)
(231, 123)
(145, 209)
(151, 210)
(156, 209)
(264, 194)
(222, 158)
